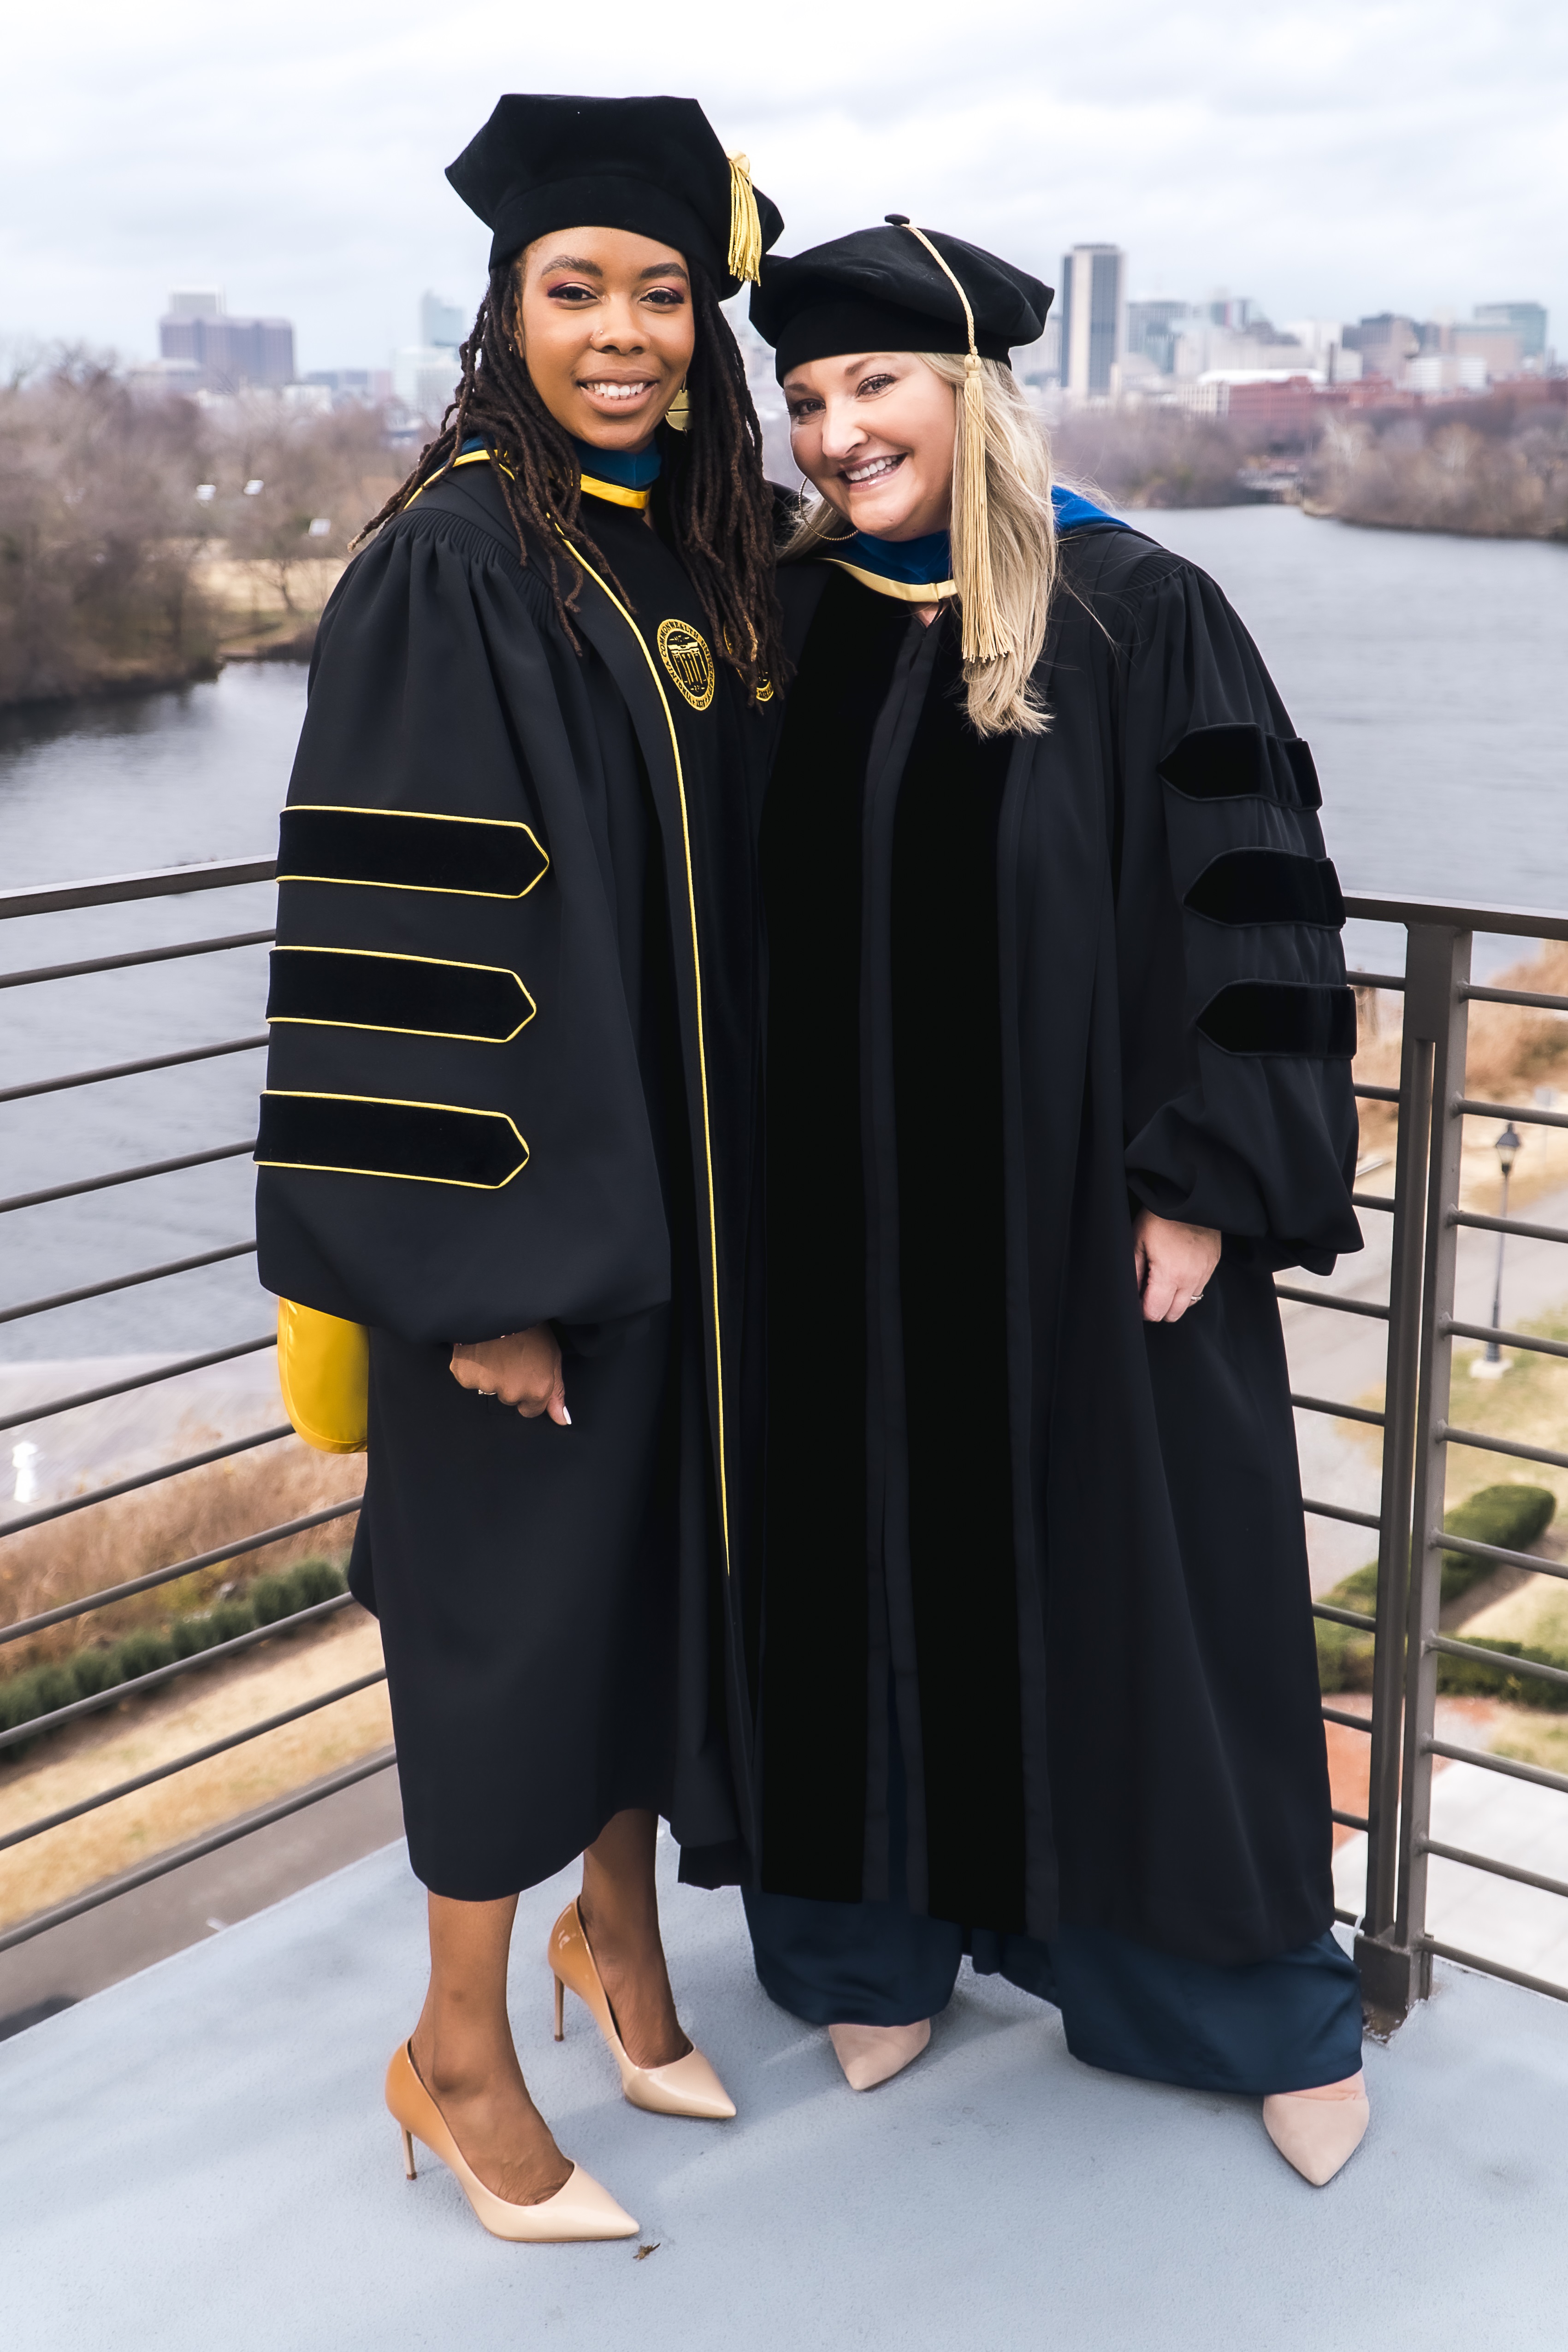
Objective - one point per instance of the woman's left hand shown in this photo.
(1174, 1263)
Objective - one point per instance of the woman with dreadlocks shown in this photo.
(511, 1099)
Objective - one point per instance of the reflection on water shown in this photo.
(1427, 674)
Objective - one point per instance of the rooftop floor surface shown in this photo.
(198, 2156)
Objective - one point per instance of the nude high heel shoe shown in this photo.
(1317, 2135)
(687, 2086)
(580, 2208)
(870, 2055)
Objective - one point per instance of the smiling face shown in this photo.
(874, 434)
(606, 327)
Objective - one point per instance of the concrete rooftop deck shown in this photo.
(198, 2158)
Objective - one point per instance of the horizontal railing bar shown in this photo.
(130, 1069)
(184, 1763)
(156, 882)
(1514, 996)
(1500, 1658)
(124, 1176)
(138, 1685)
(1350, 1821)
(195, 1848)
(1326, 1298)
(125, 1281)
(1338, 1412)
(1448, 915)
(143, 1478)
(1446, 1435)
(1343, 1511)
(1338, 1616)
(1473, 1960)
(176, 1568)
(1489, 1331)
(138, 1380)
(1497, 1869)
(133, 956)
(1536, 1775)
(1375, 1094)
(1350, 1722)
(1369, 1200)
(1440, 1538)
(1480, 1225)
(1347, 1918)
(1466, 1107)
(1393, 979)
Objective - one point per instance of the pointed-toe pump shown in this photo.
(1319, 2137)
(579, 2210)
(870, 2055)
(687, 2086)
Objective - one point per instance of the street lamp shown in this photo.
(1490, 1366)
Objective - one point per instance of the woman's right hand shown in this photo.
(523, 1369)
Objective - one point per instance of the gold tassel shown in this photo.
(983, 637)
(745, 226)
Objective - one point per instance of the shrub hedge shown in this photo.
(1511, 1515)
(40, 1689)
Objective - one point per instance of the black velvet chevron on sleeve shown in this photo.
(1268, 885)
(400, 849)
(1282, 1017)
(1240, 761)
(418, 995)
(355, 1135)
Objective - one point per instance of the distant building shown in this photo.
(423, 378)
(1525, 319)
(366, 387)
(1385, 342)
(1092, 307)
(442, 325)
(223, 354)
(1152, 333)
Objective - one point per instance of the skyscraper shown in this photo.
(1092, 314)
(228, 353)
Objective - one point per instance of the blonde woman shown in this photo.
(1057, 1075)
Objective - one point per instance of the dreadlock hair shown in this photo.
(710, 502)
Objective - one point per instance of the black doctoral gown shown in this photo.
(512, 1080)
(1016, 988)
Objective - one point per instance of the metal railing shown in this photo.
(1393, 1946)
(116, 890)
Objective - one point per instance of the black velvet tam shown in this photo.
(651, 165)
(879, 290)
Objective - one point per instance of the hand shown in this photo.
(1174, 1263)
(523, 1369)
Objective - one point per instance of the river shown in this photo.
(1429, 674)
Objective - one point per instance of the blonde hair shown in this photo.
(1021, 523)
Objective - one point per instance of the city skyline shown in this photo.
(1340, 160)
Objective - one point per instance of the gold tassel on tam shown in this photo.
(983, 638)
(745, 228)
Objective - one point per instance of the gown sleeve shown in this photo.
(1238, 1028)
(454, 1142)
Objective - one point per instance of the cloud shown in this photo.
(1328, 160)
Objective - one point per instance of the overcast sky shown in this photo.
(1330, 160)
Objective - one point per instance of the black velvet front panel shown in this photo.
(1282, 1017)
(424, 1141)
(1268, 885)
(402, 850)
(815, 1642)
(947, 1054)
(416, 994)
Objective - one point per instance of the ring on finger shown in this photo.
(486, 1392)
